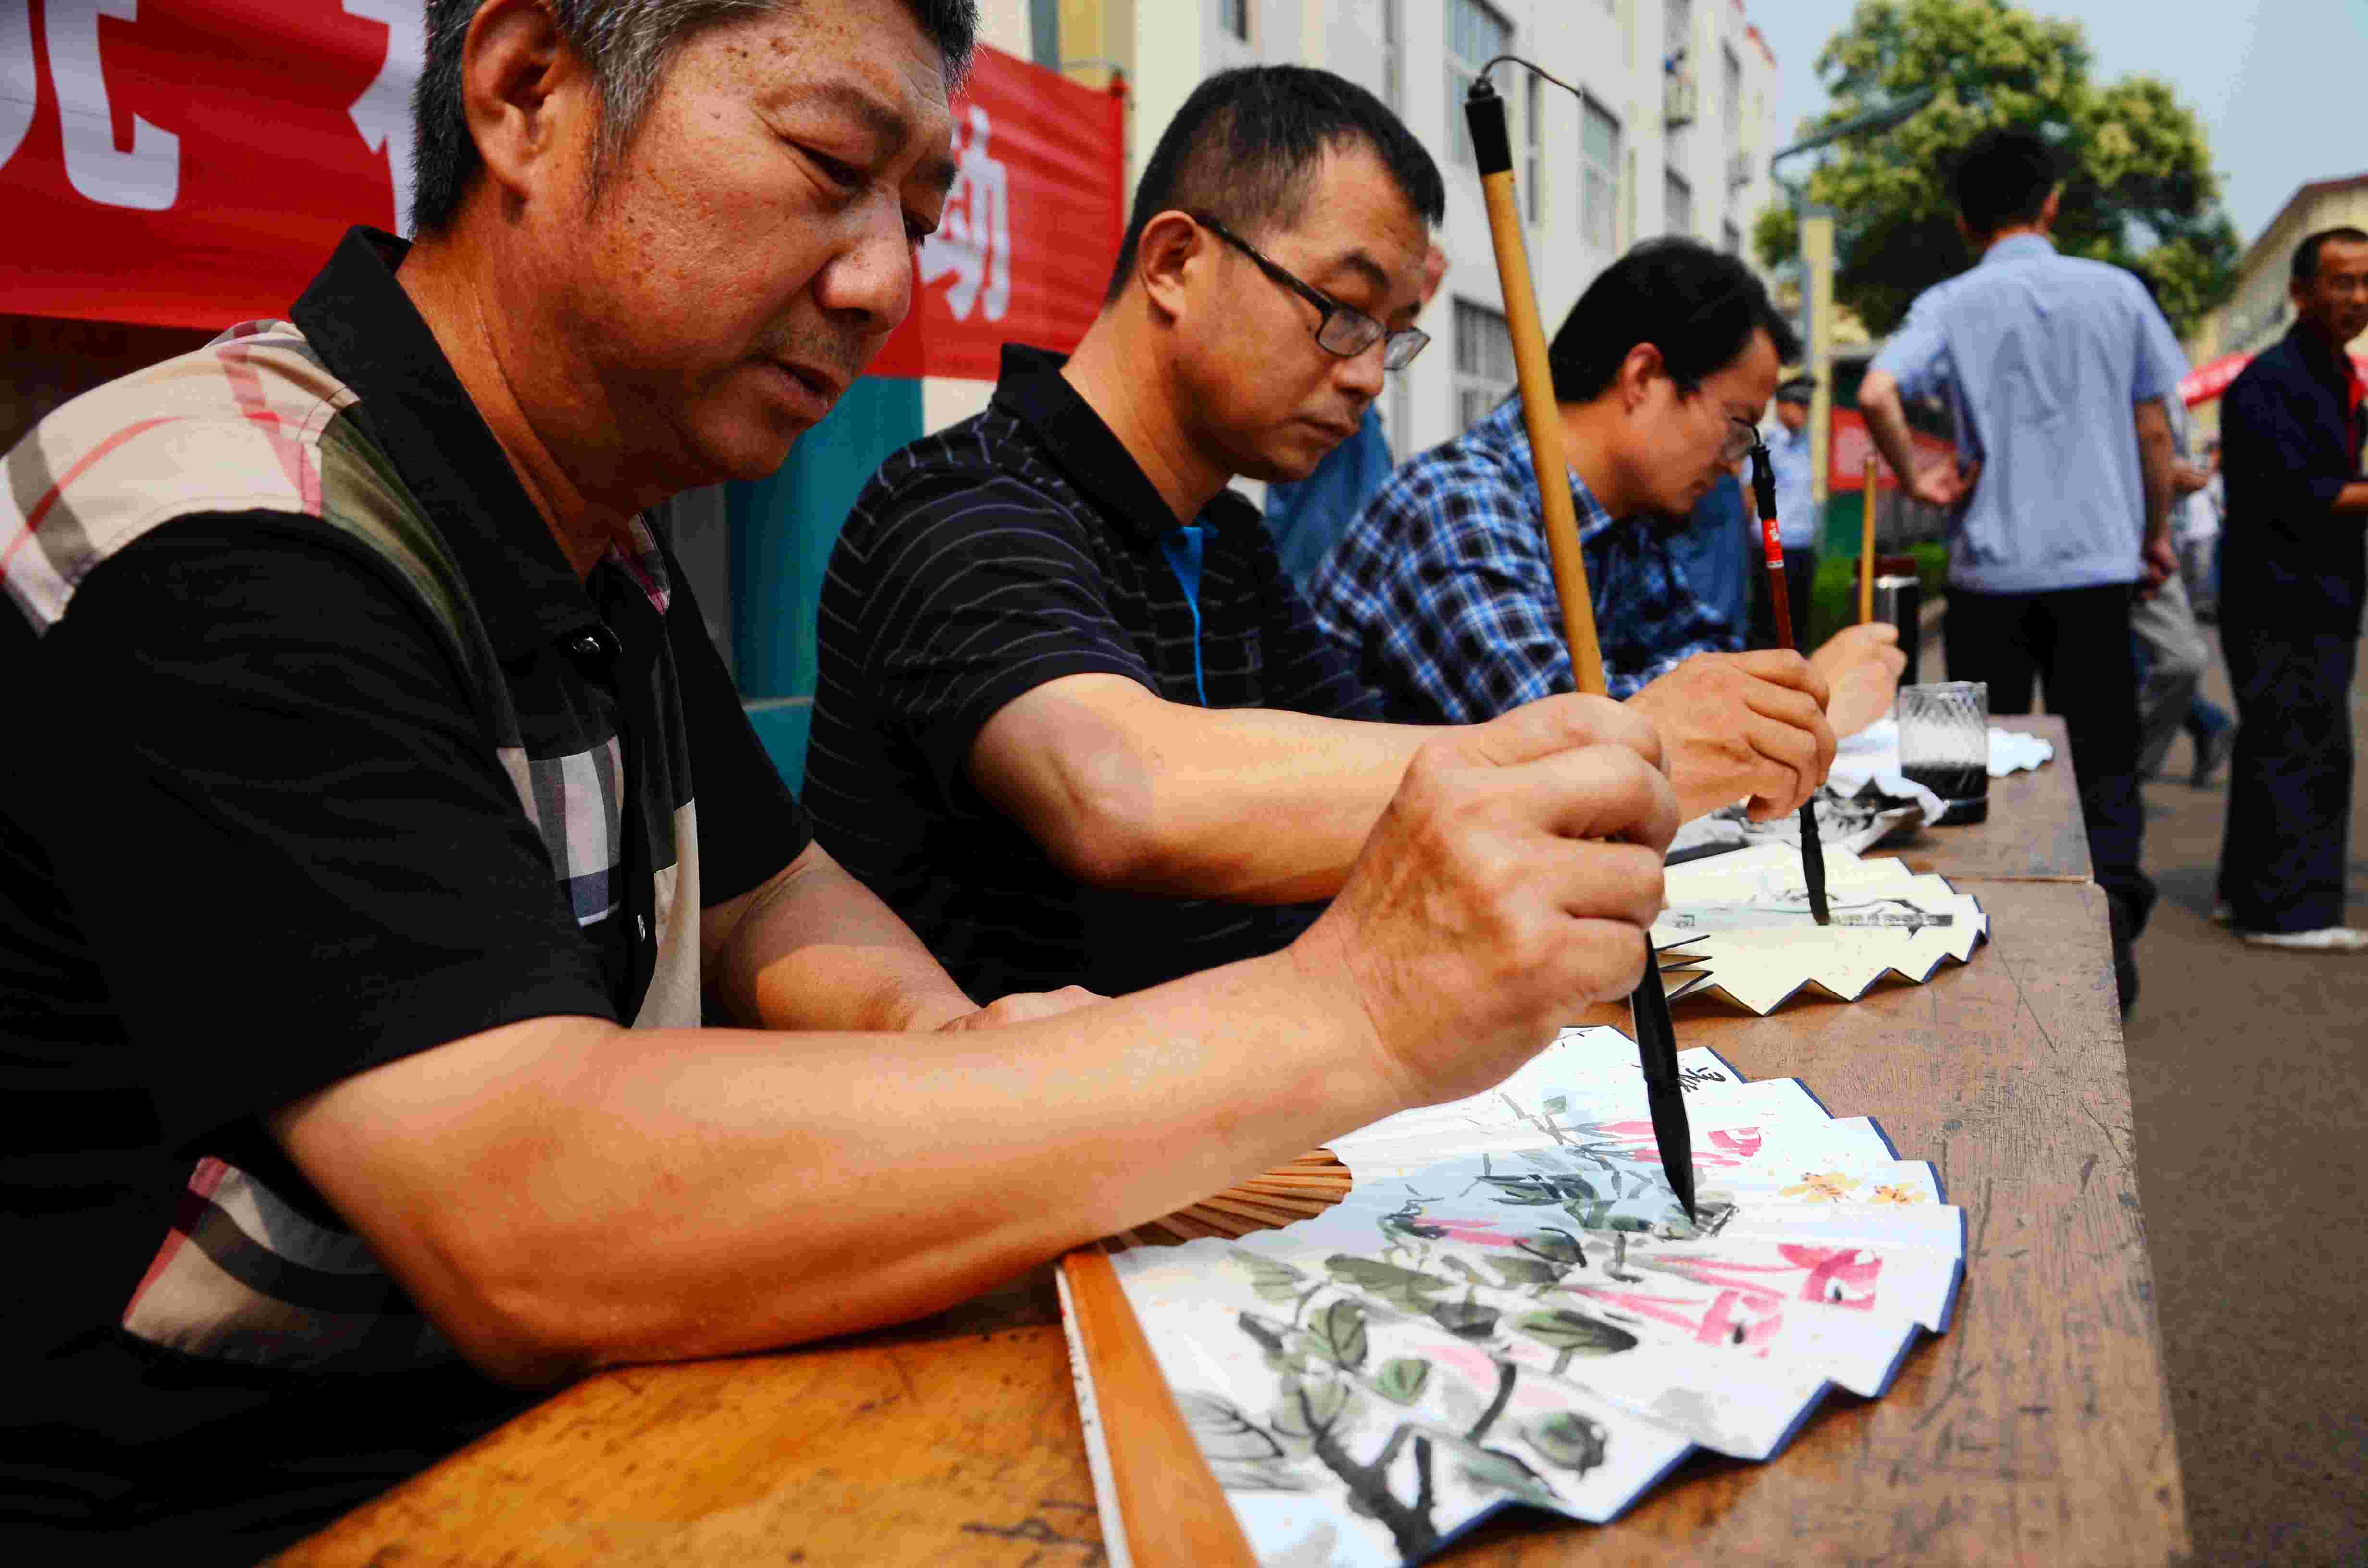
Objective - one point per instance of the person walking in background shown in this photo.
(2057, 369)
(2291, 583)
(1306, 516)
(2199, 548)
(1799, 522)
(2166, 642)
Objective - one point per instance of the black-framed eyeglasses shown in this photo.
(1342, 330)
(1741, 436)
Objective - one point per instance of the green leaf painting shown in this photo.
(1273, 1280)
(1338, 1333)
(1577, 1333)
(1521, 1271)
(1224, 1429)
(1465, 1320)
(1402, 1288)
(1567, 1438)
(1554, 1246)
(1403, 1378)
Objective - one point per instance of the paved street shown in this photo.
(2249, 1075)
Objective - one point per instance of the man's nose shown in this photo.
(1363, 373)
(871, 276)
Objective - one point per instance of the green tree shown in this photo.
(2139, 191)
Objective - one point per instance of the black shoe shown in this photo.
(2211, 755)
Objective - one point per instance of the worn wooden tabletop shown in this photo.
(2033, 833)
(2037, 1430)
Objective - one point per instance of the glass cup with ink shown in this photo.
(1944, 744)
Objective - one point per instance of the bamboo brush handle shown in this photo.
(1538, 413)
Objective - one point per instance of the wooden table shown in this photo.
(2037, 1430)
(2033, 833)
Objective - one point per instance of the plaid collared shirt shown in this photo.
(1442, 596)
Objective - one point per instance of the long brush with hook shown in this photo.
(1484, 112)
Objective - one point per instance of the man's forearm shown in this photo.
(817, 950)
(1125, 790)
(665, 1194)
(1276, 807)
(2353, 499)
(2157, 453)
(1887, 421)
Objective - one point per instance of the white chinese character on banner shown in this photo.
(148, 177)
(972, 242)
(382, 114)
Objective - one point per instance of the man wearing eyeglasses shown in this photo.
(1441, 595)
(1072, 718)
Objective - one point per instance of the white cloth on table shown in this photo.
(1873, 754)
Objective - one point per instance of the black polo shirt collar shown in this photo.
(364, 328)
(1084, 446)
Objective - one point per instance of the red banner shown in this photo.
(1851, 443)
(191, 162)
(2209, 381)
(1032, 227)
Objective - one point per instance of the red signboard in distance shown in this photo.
(192, 163)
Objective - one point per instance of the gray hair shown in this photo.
(627, 45)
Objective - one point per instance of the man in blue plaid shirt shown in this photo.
(1441, 592)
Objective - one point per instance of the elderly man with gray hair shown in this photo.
(395, 834)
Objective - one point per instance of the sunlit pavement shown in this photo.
(2249, 1075)
(2249, 1078)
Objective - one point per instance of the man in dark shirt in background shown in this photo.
(2290, 597)
(1072, 718)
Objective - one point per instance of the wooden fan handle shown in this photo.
(1175, 1514)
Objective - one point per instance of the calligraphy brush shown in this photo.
(1657, 1036)
(1763, 489)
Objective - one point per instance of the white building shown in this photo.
(1672, 136)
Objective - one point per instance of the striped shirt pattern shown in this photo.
(1441, 595)
(256, 421)
(1016, 548)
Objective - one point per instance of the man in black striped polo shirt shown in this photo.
(1072, 720)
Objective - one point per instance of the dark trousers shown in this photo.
(2076, 642)
(2282, 859)
(1800, 571)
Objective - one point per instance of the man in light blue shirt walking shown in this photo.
(2057, 369)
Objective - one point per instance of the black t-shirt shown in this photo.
(1015, 549)
(261, 832)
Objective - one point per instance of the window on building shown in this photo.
(1676, 32)
(1475, 35)
(1598, 176)
(1730, 238)
(1678, 203)
(1730, 94)
(1394, 55)
(1532, 165)
(1484, 362)
(1234, 16)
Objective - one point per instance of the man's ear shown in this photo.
(2047, 208)
(520, 85)
(1172, 247)
(1635, 375)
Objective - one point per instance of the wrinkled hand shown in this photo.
(1742, 724)
(1507, 884)
(2160, 563)
(1020, 1008)
(1862, 667)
